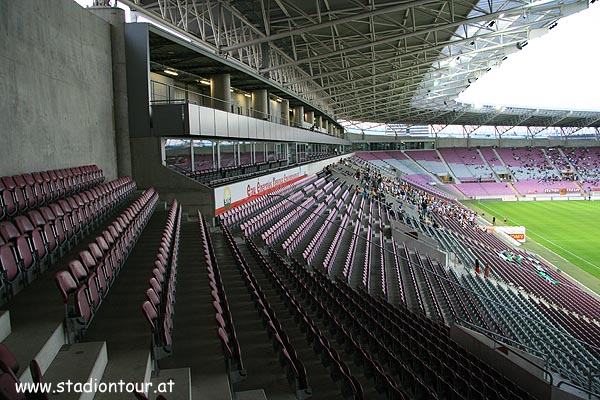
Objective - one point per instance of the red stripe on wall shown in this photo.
(221, 210)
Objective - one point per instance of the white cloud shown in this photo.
(557, 71)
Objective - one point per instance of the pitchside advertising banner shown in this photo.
(230, 196)
(516, 232)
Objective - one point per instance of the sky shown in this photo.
(560, 70)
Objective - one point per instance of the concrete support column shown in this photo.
(319, 121)
(214, 156)
(285, 112)
(218, 155)
(298, 116)
(260, 103)
(220, 91)
(310, 117)
(116, 18)
(192, 156)
(326, 125)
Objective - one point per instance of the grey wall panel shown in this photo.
(221, 123)
(194, 119)
(211, 122)
(233, 126)
(252, 129)
(266, 126)
(207, 121)
(56, 83)
(243, 126)
(260, 129)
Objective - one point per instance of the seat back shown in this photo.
(8, 384)
(36, 218)
(78, 271)
(150, 313)
(153, 297)
(87, 260)
(23, 224)
(9, 231)
(66, 284)
(8, 358)
(95, 251)
(8, 263)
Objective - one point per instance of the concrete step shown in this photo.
(258, 394)
(77, 370)
(172, 383)
(52, 338)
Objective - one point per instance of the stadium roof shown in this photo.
(381, 61)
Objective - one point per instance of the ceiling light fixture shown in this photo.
(171, 72)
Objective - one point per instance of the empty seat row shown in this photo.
(158, 308)
(295, 370)
(373, 369)
(88, 279)
(29, 191)
(350, 386)
(32, 242)
(223, 317)
(427, 350)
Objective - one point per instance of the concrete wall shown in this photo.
(56, 107)
(148, 171)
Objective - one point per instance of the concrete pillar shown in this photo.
(214, 156)
(319, 121)
(275, 111)
(192, 156)
(116, 18)
(326, 125)
(298, 115)
(285, 112)
(310, 117)
(218, 155)
(260, 103)
(220, 91)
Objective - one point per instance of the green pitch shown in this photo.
(570, 229)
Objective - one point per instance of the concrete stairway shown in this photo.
(120, 321)
(323, 387)
(196, 346)
(261, 362)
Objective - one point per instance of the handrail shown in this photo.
(484, 331)
(588, 391)
(173, 94)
